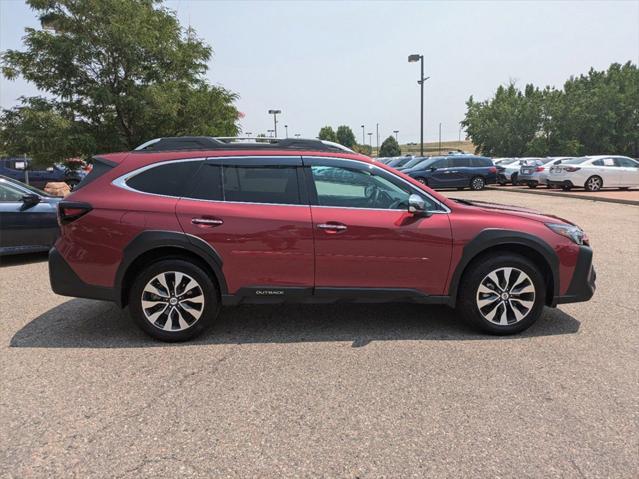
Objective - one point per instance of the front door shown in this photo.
(252, 212)
(365, 237)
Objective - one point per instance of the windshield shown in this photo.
(575, 161)
(26, 187)
(414, 162)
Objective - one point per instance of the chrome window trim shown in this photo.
(120, 182)
(370, 166)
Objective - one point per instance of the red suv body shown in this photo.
(185, 225)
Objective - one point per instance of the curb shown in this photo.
(566, 195)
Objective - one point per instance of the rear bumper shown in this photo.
(65, 282)
(582, 286)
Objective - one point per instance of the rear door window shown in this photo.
(261, 184)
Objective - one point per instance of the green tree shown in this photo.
(327, 133)
(345, 136)
(118, 73)
(389, 147)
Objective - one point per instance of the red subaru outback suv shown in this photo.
(182, 226)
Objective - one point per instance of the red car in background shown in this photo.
(182, 226)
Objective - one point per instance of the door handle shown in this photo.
(332, 227)
(207, 221)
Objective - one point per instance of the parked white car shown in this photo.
(595, 172)
(535, 173)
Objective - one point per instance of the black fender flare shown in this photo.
(490, 238)
(155, 239)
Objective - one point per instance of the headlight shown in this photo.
(573, 233)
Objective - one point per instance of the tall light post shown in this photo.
(270, 133)
(422, 79)
(377, 126)
(248, 134)
(297, 135)
(274, 113)
(286, 127)
(396, 131)
(460, 129)
(370, 141)
(440, 137)
(363, 137)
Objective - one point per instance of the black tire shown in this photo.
(502, 183)
(594, 183)
(477, 183)
(477, 271)
(513, 179)
(532, 184)
(208, 312)
(566, 187)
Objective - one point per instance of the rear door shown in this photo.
(608, 170)
(364, 236)
(254, 212)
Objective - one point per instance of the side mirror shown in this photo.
(416, 205)
(30, 200)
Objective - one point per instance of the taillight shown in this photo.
(539, 168)
(571, 169)
(69, 211)
(492, 169)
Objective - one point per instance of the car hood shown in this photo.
(515, 211)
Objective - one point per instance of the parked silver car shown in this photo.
(534, 172)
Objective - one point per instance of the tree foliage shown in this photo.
(327, 133)
(116, 73)
(345, 136)
(597, 113)
(390, 147)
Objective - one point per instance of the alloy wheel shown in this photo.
(593, 184)
(172, 301)
(505, 296)
(478, 184)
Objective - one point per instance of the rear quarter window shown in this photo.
(170, 179)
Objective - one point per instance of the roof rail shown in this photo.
(174, 143)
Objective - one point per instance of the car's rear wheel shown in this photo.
(566, 187)
(513, 179)
(477, 183)
(502, 294)
(532, 184)
(173, 300)
(594, 183)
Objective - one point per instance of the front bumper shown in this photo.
(65, 282)
(582, 286)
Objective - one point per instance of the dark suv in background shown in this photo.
(455, 171)
(15, 168)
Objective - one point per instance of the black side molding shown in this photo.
(321, 295)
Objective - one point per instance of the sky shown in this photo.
(333, 63)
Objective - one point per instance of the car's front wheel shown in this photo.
(173, 300)
(502, 294)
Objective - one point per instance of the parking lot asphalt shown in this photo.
(328, 391)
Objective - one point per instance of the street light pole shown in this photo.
(370, 141)
(377, 126)
(363, 137)
(422, 79)
(275, 113)
(286, 127)
(440, 137)
(396, 131)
